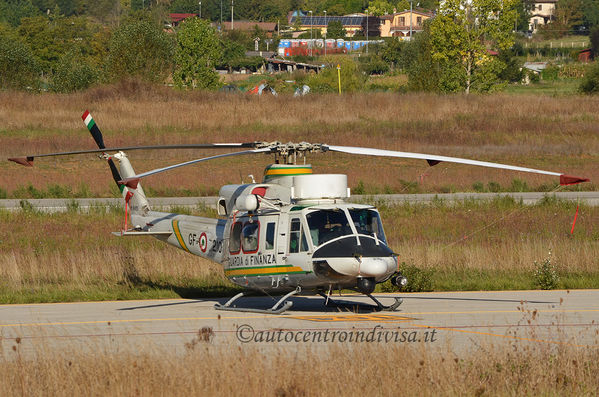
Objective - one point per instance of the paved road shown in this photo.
(459, 321)
(54, 205)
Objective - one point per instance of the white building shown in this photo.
(541, 13)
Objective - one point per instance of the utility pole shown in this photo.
(325, 32)
(221, 14)
(367, 30)
(200, 9)
(311, 43)
(231, 14)
(410, 21)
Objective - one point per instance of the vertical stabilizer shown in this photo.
(135, 198)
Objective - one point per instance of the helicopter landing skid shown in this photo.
(383, 308)
(379, 306)
(273, 310)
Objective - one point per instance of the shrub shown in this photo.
(590, 83)
(419, 280)
(140, 49)
(545, 274)
(327, 80)
(550, 73)
(375, 65)
(478, 187)
(359, 189)
(18, 68)
(73, 75)
(494, 187)
(519, 186)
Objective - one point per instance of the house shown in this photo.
(541, 13)
(402, 24)
(177, 18)
(305, 21)
(585, 55)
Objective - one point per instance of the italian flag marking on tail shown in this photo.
(88, 120)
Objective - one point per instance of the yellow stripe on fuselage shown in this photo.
(179, 236)
(264, 270)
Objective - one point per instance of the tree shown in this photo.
(594, 37)
(106, 11)
(198, 50)
(391, 51)
(18, 68)
(335, 30)
(523, 9)
(568, 14)
(232, 53)
(591, 13)
(12, 12)
(416, 59)
(379, 7)
(140, 49)
(73, 74)
(461, 36)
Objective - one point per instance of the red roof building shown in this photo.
(176, 18)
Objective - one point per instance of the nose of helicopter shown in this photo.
(377, 267)
(369, 258)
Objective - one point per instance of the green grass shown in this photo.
(560, 87)
(565, 42)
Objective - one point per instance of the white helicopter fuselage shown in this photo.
(296, 232)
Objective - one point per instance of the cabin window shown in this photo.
(235, 240)
(270, 236)
(297, 239)
(368, 222)
(326, 225)
(249, 234)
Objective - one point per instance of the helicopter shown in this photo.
(293, 233)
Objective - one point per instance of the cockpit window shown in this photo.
(326, 225)
(368, 222)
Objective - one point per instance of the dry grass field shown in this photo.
(465, 246)
(468, 246)
(558, 133)
(370, 370)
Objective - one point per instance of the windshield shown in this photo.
(326, 225)
(368, 222)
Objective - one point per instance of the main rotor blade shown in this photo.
(434, 159)
(28, 160)
(134, 180)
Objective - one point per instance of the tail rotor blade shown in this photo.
(93, 129)
(97, 135)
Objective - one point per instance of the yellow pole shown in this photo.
(339, 77)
